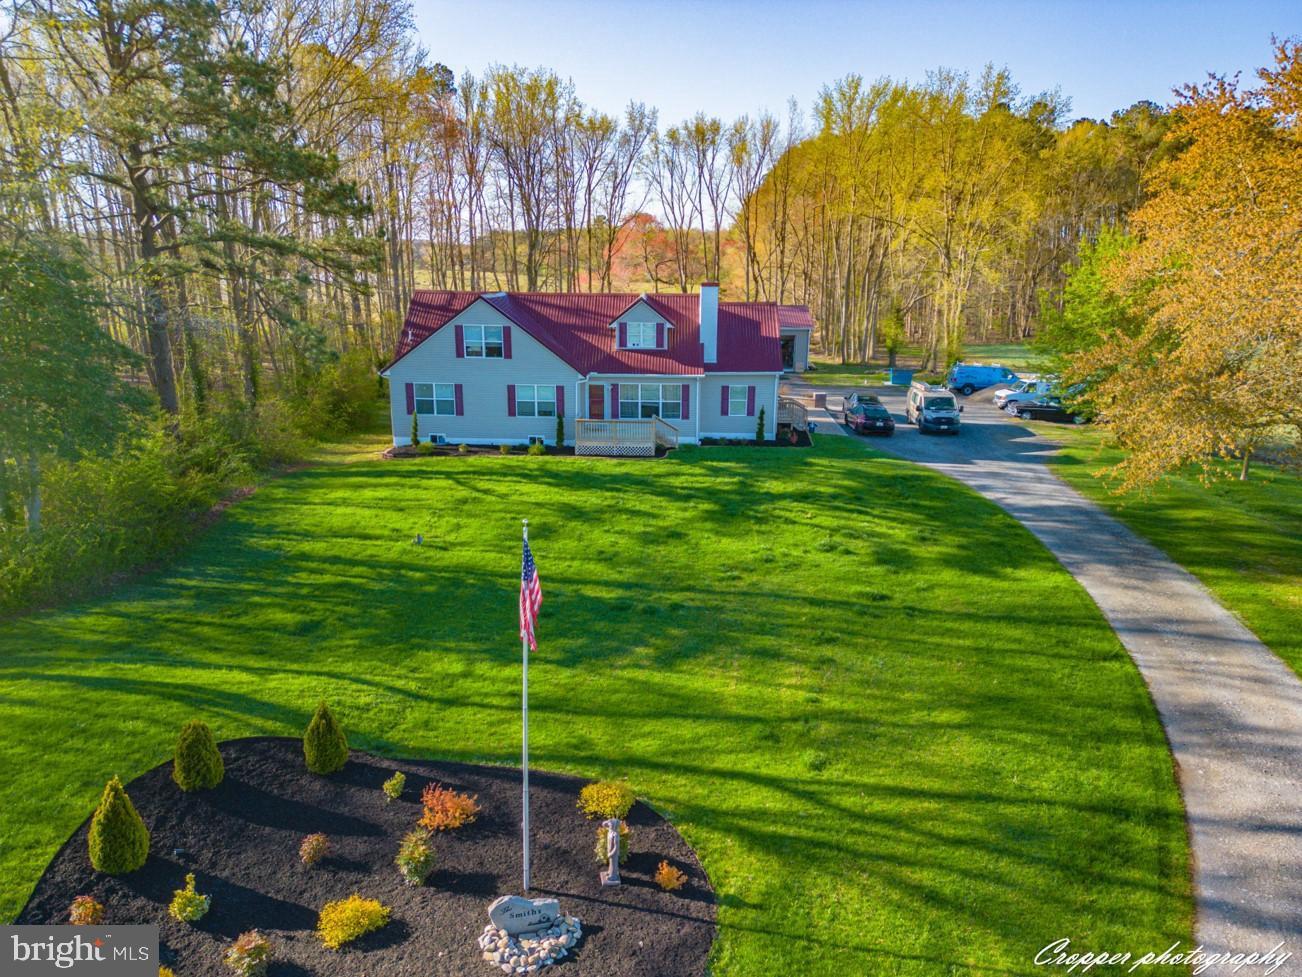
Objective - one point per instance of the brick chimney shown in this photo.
(710, 321)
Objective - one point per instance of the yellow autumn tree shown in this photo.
(1215, 369)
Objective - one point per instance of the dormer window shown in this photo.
(643, 335)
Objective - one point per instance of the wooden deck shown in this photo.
(632, 438)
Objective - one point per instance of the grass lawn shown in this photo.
(832, 374)
(1240, 539)
(894, 754)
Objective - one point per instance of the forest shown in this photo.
(214, 212)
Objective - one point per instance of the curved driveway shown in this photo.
(1232, 709)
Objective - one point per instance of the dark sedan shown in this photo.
(869, 418)
(1046, 409)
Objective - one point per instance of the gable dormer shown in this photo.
(640, 327)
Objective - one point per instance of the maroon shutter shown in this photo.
(750, 401)
(510, 400)
(506, 342)
(723, 400)
(614, 401)
(461, 340)
(660, 335)
(686, 402)
(560, 400)
(623, 335)
(411, 398)
(460, 400)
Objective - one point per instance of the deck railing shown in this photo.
(633, 437)
(793, 412)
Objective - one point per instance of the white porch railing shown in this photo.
(635, 437)
(793, 412)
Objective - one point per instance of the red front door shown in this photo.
(596, 401)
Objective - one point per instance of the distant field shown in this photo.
(827, 370)
(1240, 539)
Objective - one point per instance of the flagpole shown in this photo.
(524, 740)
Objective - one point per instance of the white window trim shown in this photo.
(659, 402)
(481, 344)
(434, 398)
(535, 399)
(646, 331)
(745, 399)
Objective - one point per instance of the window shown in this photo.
(483, 342)
(535, 400)
(641, 335)
(737, 400)
(651, 400)
(436, 398)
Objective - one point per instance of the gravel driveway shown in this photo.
(1231, 708)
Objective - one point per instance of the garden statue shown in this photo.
(610, 874)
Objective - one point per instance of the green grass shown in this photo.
(1241, 539)
(832, 374)
(829, 372)
(893, 754)
(1015, 356)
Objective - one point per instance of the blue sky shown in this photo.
(727, 57)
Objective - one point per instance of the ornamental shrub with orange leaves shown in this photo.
(445, 809)
(669, 878)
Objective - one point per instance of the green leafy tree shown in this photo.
(197, 763)
(1092, 308)
(119, 840)
(62, 391)
(324, 745)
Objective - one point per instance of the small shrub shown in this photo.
(463, 448)
(537, 448)
(85, 911)
(759, 427)
(606, 799)
(415, 429)
(119, 840)
(445, 809)
(197, 763)
(324, 746)
(166, 972)
(560, 430)
(416, 857)
(314, 848)
(345, 920)
(669, 878)
(393, 787)
(249, 954)
(504, 449)
(602, 850)
(188, 905)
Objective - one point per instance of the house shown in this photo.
(625, 372)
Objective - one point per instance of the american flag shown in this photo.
(530, 596)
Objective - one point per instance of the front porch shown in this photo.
(627, 438)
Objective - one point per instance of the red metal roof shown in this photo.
(795, 317)
(576, 326)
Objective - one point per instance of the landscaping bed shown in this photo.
(241, 840)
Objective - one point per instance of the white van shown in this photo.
(931, 408)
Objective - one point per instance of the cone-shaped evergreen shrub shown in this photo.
(197, 763)
(119, 840)
(324, 745)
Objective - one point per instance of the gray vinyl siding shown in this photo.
(484, 383)
(715, 424)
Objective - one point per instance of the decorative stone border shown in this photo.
(527, 953)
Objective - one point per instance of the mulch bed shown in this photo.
(241, 841)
